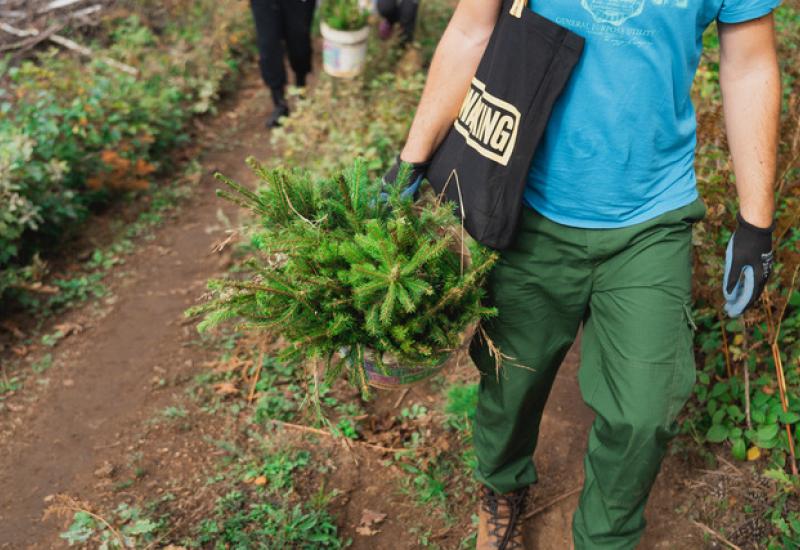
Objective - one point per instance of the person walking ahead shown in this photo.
(605, 241)
(403, 12)
(280, 22)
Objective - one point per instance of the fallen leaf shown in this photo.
(68, 382)
(225, 388)
(13, 329)
(260, 480)
(369, 519)
(69, 328)
(753, 453)
(40, 287)
(105, 471)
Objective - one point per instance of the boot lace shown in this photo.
(506, 527)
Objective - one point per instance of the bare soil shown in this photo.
(87, 425)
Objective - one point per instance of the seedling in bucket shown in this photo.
(377, 289)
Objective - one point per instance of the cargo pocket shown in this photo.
(685, 368)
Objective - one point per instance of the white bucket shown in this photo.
(343, 52)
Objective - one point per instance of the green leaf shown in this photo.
(789, 417)
(717, 433)
(779, 475)
(767, 433)
(735, 412)
(739, 449)
(719, 389)
(142, 527)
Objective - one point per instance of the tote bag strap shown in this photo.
(516, 8)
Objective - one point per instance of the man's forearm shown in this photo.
(451, 72)
(751, 90)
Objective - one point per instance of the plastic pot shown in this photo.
(391, 375)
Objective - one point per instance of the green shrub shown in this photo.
(74, 135)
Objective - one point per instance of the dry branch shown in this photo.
(552, 502)
(57, 5)
(317, 431)
(30, 41)
(43, 19)
(70, 45)
(716, 535)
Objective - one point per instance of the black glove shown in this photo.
(412, 182)
(748, 263)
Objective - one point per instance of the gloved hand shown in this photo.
(413, 180)
(748, 263)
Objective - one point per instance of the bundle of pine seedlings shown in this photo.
(345, 268)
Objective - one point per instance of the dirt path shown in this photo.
(103, 383)
(134, 357)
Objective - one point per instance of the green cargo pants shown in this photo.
(630, 288)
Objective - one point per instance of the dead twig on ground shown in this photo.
(31, 41)
(57, 5)
(317, 431)
(716, 535)
(65, 504)
(251, 394)
(402, 396)
(538, 510)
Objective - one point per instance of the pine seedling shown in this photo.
(344, 264)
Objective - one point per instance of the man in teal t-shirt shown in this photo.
(605, 243)
(622, 135)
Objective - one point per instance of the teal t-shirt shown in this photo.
(619, 147)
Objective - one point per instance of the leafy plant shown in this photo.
(278, 468)
(128, 528)
(784, 513)
(241, 525)
(344, 15)
(462, 399)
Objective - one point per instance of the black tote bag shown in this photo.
(483, 162)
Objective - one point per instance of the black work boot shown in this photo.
(280, 109)
(278, 112)
(500, 519)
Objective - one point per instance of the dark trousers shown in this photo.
(400, 11)
(280, 22)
